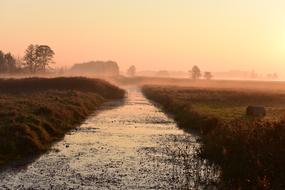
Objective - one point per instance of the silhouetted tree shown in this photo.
(44, 56)
(2, 61)
(30, 58)
(195, 72)
(7, 63)
(10, 63)
(273, 76)
(38, 57)
(19, 63)
(208, 75)
(131, 71)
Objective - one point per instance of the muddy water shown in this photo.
(126, 145)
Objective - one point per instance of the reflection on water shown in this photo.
(131, 146)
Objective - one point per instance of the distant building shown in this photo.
(101, 68)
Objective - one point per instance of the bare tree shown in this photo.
(44, 56)
(38, 57)
(195, 72)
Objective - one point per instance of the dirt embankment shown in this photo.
(35, 112)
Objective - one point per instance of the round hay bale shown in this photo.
(256, 111)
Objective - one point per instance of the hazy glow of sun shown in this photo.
(161, 34)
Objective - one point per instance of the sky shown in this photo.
(216, 35)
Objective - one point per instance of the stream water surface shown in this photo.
(128, 144)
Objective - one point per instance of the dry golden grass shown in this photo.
(250, 151)
(36, 112)
(226, 104)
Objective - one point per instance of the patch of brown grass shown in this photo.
(36, 112)
(250, 151)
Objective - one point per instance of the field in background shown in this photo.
(265, 86)
(252, 85)
(225, 104)
(36, 112)
(250, 151)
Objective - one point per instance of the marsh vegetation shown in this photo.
(35, 112)
(250, 151)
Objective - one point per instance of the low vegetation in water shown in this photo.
(249, 151)
(35, 112)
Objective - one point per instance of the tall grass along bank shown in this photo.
(35, 112)
(249, 151)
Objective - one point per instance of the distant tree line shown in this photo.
(196, 73)
(37, 59)
(99, 68)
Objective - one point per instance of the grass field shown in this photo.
(250, 151)
(226, 104)
(264, 86)
(35, 112)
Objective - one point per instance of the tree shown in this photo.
(30, 58)
(10, 63)
(38, 57)
(1, 56)
(2, 61)
(195, 72)
(131, 71)
(7, 63)
(44, 56)
(208, 75)
(19, 63)
(273, 76)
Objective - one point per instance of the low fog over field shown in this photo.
(146, 94)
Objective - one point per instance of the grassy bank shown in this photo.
(35, 112)
(250, 151)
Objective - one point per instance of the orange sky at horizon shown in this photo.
(217, 35)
